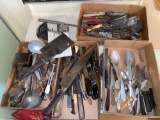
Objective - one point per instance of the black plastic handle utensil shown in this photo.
(108, 99)
(52, 104)
(152, 98)
(95, 92)
(146, 100)
(142, 104)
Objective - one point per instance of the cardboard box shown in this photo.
(149, 59)
(91, 111)
(137, 10)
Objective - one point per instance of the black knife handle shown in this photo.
(114, 73)
(152, 98)
(106, 68)
(108, 99)
(142, 104)
(95, 92)
(89, 87)
(148, 107)
(106, 79)
(43, 95)
(149, 98)
(52, 104)
(69, 91)
(73, 107)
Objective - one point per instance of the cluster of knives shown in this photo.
(40, 77)
(118, 25)
(127, 91)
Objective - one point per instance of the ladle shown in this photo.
(31, 99)
(115, 59)
(34, 47)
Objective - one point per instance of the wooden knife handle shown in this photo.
(113, 96)
(126, 104)
(80, 106)
(108, 99)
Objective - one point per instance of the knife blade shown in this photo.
(69, 78)
(107, 79)
(79, 98)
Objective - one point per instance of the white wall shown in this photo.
(16, 15)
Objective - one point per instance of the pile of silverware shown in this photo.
(41, 77)
(116, 25)
(132, 92)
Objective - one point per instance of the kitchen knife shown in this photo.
(56, 46)
(79, 98)
(107, 79)
(69, 78)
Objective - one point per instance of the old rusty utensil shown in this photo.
(69, 78)
(57, 46)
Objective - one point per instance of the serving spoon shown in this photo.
(31, 99)
(115, 59)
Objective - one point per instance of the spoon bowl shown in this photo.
(130, 59)
(115, 57)
(35, 46)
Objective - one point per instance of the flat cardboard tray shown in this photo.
(91, 111)
(149, 60)
(137, 10)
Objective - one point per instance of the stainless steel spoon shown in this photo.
(115, 61)
(130, 62)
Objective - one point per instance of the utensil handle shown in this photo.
(80, 106)
(138, 110)
(95, 92)
(89, 87)
(114, 73)
(142, 104)
(126, 104)
(146, 100)
(152, 98)
(108, 99)
(129, 69)
(113, 96)
(52, 104)
(73, 106)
